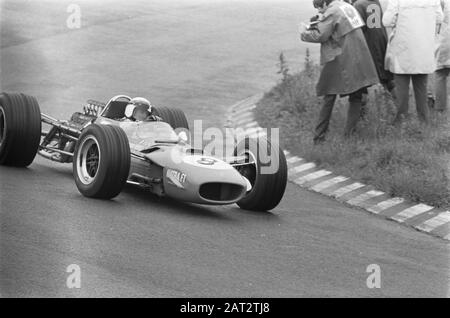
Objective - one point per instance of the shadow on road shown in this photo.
(141, 196)
(260, 215)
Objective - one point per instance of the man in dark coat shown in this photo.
(377, 40)
(347, 65)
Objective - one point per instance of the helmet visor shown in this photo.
(140, 106)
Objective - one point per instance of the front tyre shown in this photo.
(101, 161)
(20, 129)
(266, 171)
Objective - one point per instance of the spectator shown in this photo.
(443, 61)
(347, 66)
(411, 50)
(377, 39)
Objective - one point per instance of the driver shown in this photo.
(140, 109)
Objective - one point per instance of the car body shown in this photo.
(107, 150)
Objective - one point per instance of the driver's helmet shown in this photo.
(137, 102)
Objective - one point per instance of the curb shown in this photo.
(421, 217)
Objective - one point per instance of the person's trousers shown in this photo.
(402, 82)
(441, 89)
(353, 115)
(388, 85)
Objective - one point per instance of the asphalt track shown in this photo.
(202, 57)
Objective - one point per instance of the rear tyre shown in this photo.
(101, 162)
(268, 180)
(173, 116)
(20, 129)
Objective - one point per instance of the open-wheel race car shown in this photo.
(106, 152)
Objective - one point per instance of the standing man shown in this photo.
(377, 39)
(411, 50)
(443, 67)
(347, 66)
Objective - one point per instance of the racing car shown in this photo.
(107, 152)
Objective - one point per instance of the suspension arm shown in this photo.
(59, 124)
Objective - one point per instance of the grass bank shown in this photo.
(410, 161)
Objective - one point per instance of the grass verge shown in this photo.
(411, 161)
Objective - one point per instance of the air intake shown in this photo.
(221, 192)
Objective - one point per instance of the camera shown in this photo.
(313, 22)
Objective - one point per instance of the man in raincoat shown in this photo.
(376, 37)
(347, 65)
(411, 50)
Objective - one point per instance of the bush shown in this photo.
(410, 161)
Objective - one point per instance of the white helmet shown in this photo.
(137, 102)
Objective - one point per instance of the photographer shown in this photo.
(347, 66)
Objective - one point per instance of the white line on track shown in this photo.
(238, 105)
(255, 130)
(435, 222)
(411, 212)
(302, 168)
(244, 121)
(252, 124)
(347, 189)
(243, 115)
(293, 160)
(364, 197)
(328, 183)
(312, 176)
(244, 109)
(380, 207)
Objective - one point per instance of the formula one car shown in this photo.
(107, 152)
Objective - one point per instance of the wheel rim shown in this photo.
(2, 125)
(249, 171)
(88, 160)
